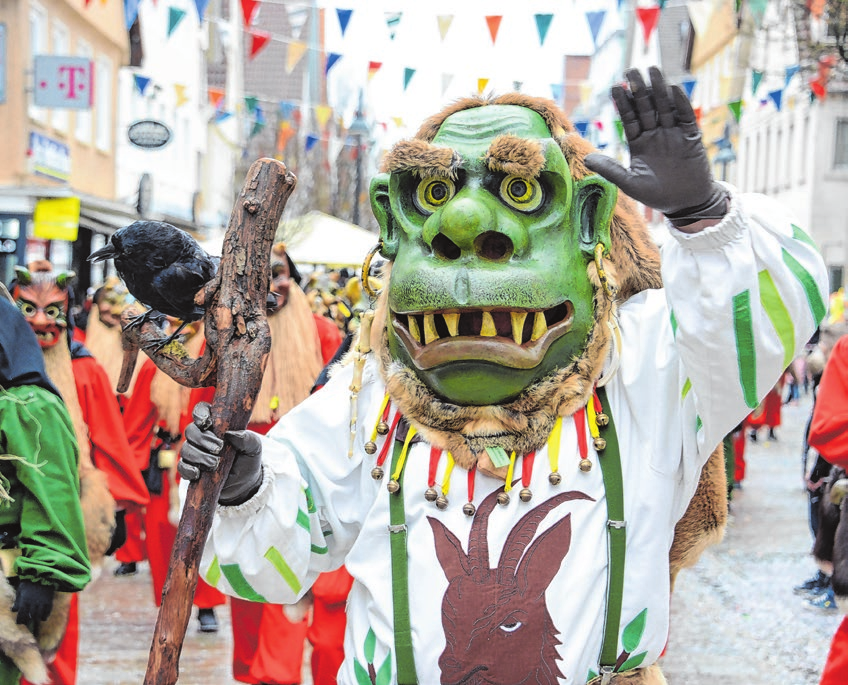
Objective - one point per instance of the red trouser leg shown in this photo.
(739, 453)
(326, 634)
(160, 540)
(836, 667)
(63, 669)
(133, 548)
(267, 647)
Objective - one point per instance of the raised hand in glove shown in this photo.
(669, 169)
(33, 602)
(201, 452)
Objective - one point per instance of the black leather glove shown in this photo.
(33, 602)
(119, 535)
(201, 450)
(669, 169)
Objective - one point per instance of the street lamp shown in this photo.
(358, 129)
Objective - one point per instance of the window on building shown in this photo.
(840, 147)
(60, 44)
(37, 46)
(103, 103)
(83, 127)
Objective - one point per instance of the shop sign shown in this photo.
(63, 82)
(149, 134)
(48, 157)
(56, 218)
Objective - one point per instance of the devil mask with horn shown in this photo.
(42, 296)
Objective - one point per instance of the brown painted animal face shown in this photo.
(45, 307)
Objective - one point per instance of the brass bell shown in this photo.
(600, 444)
(503, 499)
(377, 473)
(554, 478)
(602, 419)
(393, 486)
(468, 509)
(442, 502)
(370, 447)
(430, 494)
(525, 495)
(382, 428)
(585, 465)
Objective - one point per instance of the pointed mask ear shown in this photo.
(22, 275)
(381, 206)
(592, 211)
(64, 278)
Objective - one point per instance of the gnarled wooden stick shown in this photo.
(237, 342)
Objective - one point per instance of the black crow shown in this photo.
(162, 266)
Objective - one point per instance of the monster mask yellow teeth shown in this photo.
(517, 326)
(413, 329)
(540, 326)
(488, 330)
(452, 322)
(430, 329)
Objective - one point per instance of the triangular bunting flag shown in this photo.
(582, 127)
(332, 58)
(258, 40)
(258, 121)
(776, 97)
(444, 24)
(735, 109)
(699, 111)
(818, 89)
(141, 83)
(180, 93)
(216, 97)
(392, 21)
(373, 68)
(689, 86)
(344, 18)
(481, 85)
(816, 7)
(175, 16)
(756, 77)
(790, 72)
(298, 16)
(322, 114)
(294, 52)
(556, 90)
(543, 23)
(648, 17)
(311, 139)
(221, 116)
(131, 12)
(284, 134)
(398, 121)
(201, 8)
(286, 110)
(595, 19)
(446, 81)
(248, 11)
(408, 73)
(250, 103)
(758, 10)
(586, 90)
(494, 23)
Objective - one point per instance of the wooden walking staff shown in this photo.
(237, 344)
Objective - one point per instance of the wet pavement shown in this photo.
(734, 615)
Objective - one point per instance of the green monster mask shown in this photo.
(490, 237)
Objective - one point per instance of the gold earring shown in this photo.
(366, 267)
(602, 275)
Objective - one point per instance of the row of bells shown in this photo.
(441, 500)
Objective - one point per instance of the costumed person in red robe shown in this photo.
(110, 481)
(829, 436)
(154, 416)
(767, 413)
(268, 644)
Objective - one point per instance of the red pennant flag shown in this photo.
(248, 10)
(818, 88)
(216, 96)
(648, 17)
(258, 40)
(698, 112)
(494, 22)
(373, 68)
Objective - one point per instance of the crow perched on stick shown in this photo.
(162, 266)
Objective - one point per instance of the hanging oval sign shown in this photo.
(149, 134)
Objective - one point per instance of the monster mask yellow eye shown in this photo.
(523, 194)
(434, 192)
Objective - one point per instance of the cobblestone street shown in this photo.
(734, 616)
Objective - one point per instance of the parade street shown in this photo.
(734, 616)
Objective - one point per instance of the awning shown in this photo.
(317, 238)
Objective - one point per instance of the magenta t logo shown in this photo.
(63, 82)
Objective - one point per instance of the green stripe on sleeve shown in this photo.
(273, 555)
(214, 573)
(698, 424)
(799, 234)
(817, 306)
(778, 313)
(746, 355)
(673, 319)
(310, 500)
(687, 386)
(240, 586)
(319, 550)
(303, 520)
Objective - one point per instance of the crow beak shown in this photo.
(106, 252)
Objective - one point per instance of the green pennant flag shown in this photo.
(175, 16)
(756, 77)
(407, 76)
(543, 23)
(735, 109)
(257, 127)
(250, 101)
(619, 129)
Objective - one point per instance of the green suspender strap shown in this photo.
(610, 460)
(406, 674)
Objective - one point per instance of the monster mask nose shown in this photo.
(471, 227)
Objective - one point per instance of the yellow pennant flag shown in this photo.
(586, 90)
(322, 114)
(295, 52)
(444, 24)
(398, 121)
(180, 92)
(481, 85)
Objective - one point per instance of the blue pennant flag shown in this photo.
(776, 97)
(689, 86)
(344, 18)
(790, 72)
(311, 139)
(141, 83)
(332, 58)
(131, 12)
(595, 20)
(556, 89)
(582, 127)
